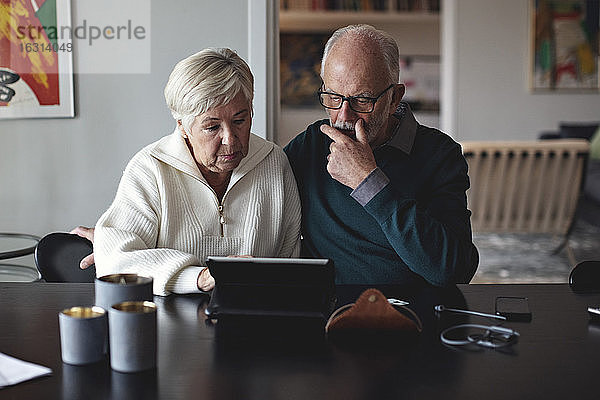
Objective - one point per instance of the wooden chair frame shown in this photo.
(529, 186)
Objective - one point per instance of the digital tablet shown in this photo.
(278, 287)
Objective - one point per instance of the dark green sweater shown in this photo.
(415, 228)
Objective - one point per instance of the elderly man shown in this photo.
(382, 195)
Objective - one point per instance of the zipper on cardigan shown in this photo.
(221, 220)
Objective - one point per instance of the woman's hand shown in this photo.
(205, 280)
(87, 233)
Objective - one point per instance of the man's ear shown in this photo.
(398, 93)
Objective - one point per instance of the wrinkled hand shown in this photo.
(205, 280)
(349, 161)
(87, 233)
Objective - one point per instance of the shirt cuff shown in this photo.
(370, 186)
(185, 281)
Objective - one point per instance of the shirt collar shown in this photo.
(404, 128)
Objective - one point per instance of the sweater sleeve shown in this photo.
(126, 235)
(433, 237)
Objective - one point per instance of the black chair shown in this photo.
(585, 277)
(57, 257)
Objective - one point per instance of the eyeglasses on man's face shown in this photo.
(360, 104)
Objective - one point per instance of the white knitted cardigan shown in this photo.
(165, 218)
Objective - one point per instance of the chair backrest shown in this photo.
(528, 186)
(585, 277)
(57, 257)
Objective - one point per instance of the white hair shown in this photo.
(386, 43)
(205, 80)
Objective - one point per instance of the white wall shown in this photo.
(58, 173)
(491, 99)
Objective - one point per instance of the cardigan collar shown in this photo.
(173, 150)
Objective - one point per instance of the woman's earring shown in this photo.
(180, 126)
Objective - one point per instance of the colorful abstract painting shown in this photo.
(565, 44)
(36, 79)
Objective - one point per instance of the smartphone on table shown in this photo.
(513, 308)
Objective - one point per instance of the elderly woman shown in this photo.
(211, 188)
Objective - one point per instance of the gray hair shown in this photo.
(205, 80)
(386, 43)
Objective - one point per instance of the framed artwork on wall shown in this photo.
(36, 64)
(564, 45)
(300, 68)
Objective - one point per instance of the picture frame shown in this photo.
(564, 54)
(300, 67)
(36, 61)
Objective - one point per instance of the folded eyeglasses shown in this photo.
(490, 336)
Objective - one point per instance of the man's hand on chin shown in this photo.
(349, 161)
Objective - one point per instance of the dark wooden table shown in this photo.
(557, 356)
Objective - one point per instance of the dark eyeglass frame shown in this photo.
(349, 99)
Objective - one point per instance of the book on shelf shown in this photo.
(361, 5)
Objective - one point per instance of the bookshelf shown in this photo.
(361, 5)
(328, 15)
(330, 20)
